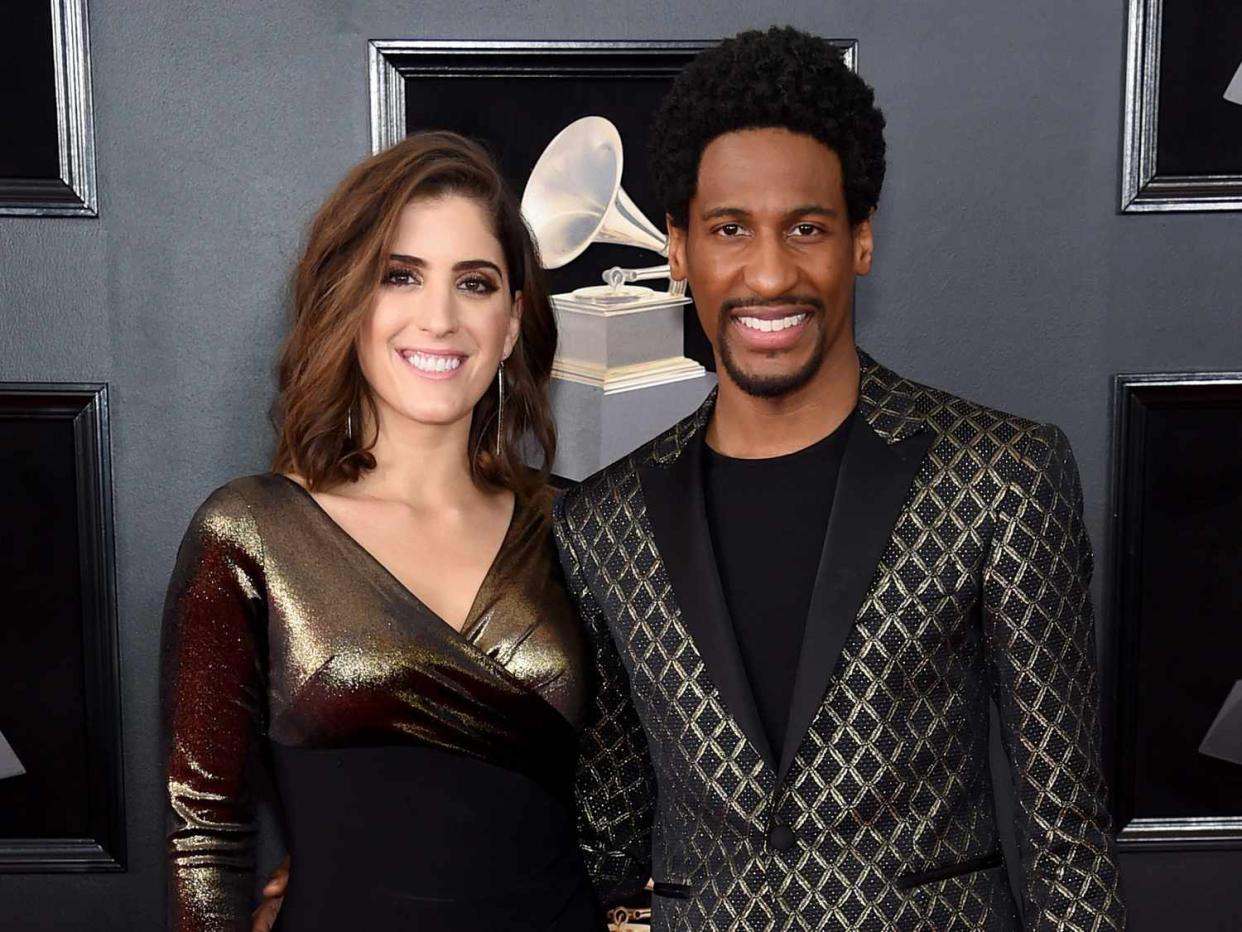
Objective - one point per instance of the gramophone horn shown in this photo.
(574, 197)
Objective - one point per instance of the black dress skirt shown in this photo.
(424, 774)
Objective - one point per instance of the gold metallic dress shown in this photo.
(424, 774)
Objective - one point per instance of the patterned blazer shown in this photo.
(955, 567)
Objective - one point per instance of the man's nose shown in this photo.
(770, 270)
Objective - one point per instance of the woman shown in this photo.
(381, 618)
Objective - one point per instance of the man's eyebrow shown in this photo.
(717, 212)
(802, 210)
(806, 210)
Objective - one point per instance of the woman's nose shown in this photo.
(436, 311)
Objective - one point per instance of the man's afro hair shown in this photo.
(780, 78)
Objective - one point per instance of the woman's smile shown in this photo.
(432, 364)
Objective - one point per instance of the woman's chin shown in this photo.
(431, 415)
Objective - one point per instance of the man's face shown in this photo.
(771, 257)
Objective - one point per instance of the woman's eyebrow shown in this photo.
(465, 265)
(468, 264)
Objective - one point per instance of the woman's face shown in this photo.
(444, 315)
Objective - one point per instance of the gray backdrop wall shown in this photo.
(1003, 273)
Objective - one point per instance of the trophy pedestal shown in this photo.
(594, 428)
(619, 377)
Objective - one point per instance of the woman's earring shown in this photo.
(349, 424)
(500, 404)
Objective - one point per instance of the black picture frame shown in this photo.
(60, 690)
(516, 95)
(1182, 143)
(47, 136)
(1175, 605)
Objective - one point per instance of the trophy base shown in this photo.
(616, 379)
(607, 301)
(595, 427)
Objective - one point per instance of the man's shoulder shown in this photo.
(990, 433)
(607, 484)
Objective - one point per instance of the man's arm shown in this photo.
(1040, 639)
(615, 784)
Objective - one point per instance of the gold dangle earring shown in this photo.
(349, 424)
(500, 404)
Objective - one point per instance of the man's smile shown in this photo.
(770, 329)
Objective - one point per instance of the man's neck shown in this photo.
(747, 427)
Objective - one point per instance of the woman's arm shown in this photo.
(213, 702)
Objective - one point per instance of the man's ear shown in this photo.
(864, 247)
(515, 324)
(676, 249)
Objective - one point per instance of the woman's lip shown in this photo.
(440, 375)
(771, 339)
(410, 350)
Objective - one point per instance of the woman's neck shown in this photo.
(422, 465)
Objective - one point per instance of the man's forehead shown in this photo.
(767, 169)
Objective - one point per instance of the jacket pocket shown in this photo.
(672, 891)
(970, 866)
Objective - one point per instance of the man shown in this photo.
(802, 596)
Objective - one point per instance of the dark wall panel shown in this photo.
(27, 93)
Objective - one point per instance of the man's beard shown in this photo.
(770, 386)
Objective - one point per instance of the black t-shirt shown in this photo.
(768, 518)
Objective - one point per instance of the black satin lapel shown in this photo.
(873, 484)
(677, 513)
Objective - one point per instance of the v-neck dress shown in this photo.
(424, 774)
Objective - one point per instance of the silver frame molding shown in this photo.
(1180, 834)
(85, 407)
(387, 76)
(75, 129)
(1144, 833)
(1142, 189)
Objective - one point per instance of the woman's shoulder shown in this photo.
(246, 517)
(247, 499)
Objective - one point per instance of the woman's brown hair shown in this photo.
(322, 389)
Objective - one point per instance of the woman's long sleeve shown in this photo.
(213, 684)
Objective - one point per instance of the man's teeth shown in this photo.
(770, 326)
(433, 363)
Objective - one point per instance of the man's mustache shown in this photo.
(729, 305)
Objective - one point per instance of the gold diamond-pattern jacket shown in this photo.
(955, 567)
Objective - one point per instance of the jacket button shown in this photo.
(781, 837)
